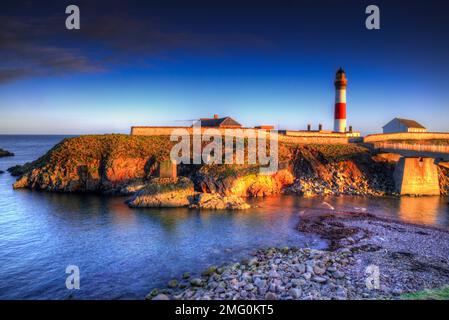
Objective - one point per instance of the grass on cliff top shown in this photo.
(84, 149)
(330, 152)
(91, 147)
(229, 170)
(435, 294)
(88, 148)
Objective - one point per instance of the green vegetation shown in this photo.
(220, 172)
(90, 149)
(328, 152)
(435, 294)
(102, 162)
(93, 149)
(339, 152)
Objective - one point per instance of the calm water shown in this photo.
(123, 253)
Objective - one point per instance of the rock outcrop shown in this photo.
(17, 170)
(102, 163)
(179, 192)
(443, 175)
(5, 153)
(345, 169)
(216, 201)
(164, 193)
(123, 164)
(240, 180)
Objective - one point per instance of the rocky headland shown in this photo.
(341, 170)
(128, 165)
(116, 164)
(96, 163)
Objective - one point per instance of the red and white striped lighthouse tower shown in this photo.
(340, 101)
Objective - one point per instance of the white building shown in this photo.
(403, 125)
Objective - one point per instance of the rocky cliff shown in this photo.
(241, 180)
(101, 163)
(340, 169)
(125, 164)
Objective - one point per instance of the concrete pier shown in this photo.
(417, 176)
(167, 169)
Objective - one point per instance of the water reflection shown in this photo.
(124, 252)
(427, 211)
(431, 211)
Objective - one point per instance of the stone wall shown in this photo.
(322, 133)
(304, 137)
(406, 136)
(167, 131)
(314, 139)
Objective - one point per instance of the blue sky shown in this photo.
(171, 62)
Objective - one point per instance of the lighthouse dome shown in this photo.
(340, 75)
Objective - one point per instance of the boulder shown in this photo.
(164, 193)
(132, 187)
(218, 202)
(4, 153)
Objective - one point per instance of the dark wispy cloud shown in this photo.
(28, 48)
(41, 46)
(147, 36)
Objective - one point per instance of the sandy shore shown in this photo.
(408, 258)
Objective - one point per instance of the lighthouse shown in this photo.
(340, 101)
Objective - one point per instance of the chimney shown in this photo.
(320, 127)
(215, 116)
(350, 129)
(309, 127)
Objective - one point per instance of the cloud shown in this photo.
(8, 75)
(39, 45)
(146, 36)
(26, 50)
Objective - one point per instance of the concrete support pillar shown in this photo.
(167, 169)
(417, 176)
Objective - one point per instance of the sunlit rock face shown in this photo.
(443, 175)
(123, 164)
(341, 169)
(240, 180)
(164, 193)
